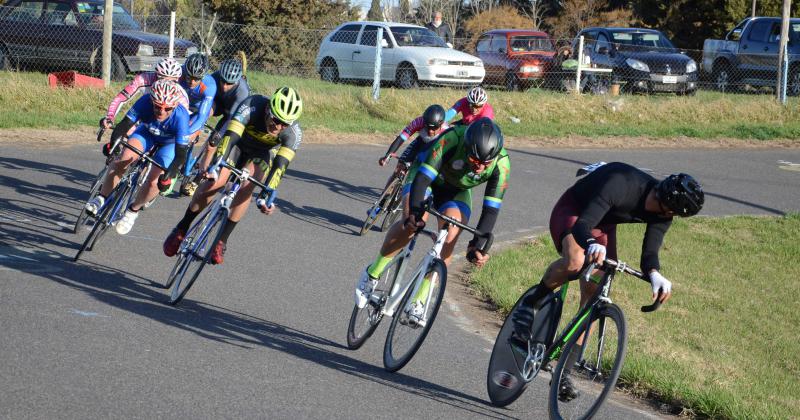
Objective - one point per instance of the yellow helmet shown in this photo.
(286, 105)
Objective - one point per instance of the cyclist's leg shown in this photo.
(193, 138)
(119, 165)
(164, 156)
(457, 205)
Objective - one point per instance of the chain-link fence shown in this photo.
(52, 36)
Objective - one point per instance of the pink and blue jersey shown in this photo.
(467, 115)
(141, 81)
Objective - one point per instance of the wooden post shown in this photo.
(108, 16)
(780, 83)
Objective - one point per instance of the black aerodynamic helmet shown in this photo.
(681, 193)
(483, 139)
(433, 117)
(196, 65)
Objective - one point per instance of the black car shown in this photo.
(642, 60)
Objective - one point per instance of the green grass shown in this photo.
(28, 102)
(726, 344)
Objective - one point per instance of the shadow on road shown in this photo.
(359, 193)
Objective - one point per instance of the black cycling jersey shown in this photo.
(226, 103)
(615, 193)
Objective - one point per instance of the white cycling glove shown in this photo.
(659, 282)
(595, 248)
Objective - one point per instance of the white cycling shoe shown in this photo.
(364, 289)
(94, 205)
(125, 224)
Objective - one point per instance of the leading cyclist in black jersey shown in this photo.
(583, 227)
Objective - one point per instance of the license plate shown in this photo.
(670, 79)
(461, 73)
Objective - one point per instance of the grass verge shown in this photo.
(29, 102)
(725, 345)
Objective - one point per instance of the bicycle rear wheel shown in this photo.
(394, 208)
(364, 321)
(118, 198)
(597, 370)
(372, 217)
(197, 255)
(83, 215)
(404, 338)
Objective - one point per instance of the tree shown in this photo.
(405, 9)
(496, 17)
(579, 14)
(375, 11)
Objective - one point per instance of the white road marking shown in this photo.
(87, 313)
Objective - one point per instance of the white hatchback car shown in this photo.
(410, 55)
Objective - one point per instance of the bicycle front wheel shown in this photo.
(117, 200)
(83, 215)
(197, 255)
(394, 208)
(595, 374)
(405, 337)
(373, 216)
(364, 321)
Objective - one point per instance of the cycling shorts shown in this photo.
(243, 153)
(444, 198)
(166, 151)
(566, 213)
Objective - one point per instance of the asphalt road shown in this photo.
(264, 334)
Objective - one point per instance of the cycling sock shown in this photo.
(376, 269)
(422, 293)
(226, 231)
(188, 217)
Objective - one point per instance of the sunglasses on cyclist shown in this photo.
(475, 161)
(276, 121)
(475, 106)
(163, 108)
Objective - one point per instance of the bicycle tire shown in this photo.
(596, 374)
(373, 310)
(504, 379)
(370, 220)
(104, 219)
(394, 209)
(200, 255)
(181, 256)
(392, 361)
(93, 191)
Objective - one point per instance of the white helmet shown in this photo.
(165, 93)
(477, 96)
(168, 67)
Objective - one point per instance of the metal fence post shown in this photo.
(171, 33)
(376, 82)
(580, 65)
(108, 16)
(784, 74)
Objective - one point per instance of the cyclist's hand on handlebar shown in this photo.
(659, 282)
(476, 257)
(214, 140)
(414, 223)
(267, 210)
(106, 123)
(383, 160)
(596, 253)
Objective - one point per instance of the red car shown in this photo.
(515, 58)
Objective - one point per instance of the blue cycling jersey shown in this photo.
(174, 129)
(201, 98)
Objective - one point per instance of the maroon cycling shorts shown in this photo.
(564, 216)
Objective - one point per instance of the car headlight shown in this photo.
(637, 65)
(191, 50)
(437, 62)
(479, 63)
(691, 66)
(530, 69)
(145, 49)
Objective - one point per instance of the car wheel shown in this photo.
(329, 72)
(118, 71)
(406, 77)
(512, 82)
(723, 81)
(793, 84)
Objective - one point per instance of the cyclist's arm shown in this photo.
(235, 129)
(454, 110)
(413, 127)
(181, 142)
(488, 111)
(653, 238)
(290, 138)
(429, 170)
(204, 110)
(596, 209)
(493, 199)
(139, 82)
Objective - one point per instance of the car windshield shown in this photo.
(529, 43)
(641, 41)
(91, 15)
(407, 36)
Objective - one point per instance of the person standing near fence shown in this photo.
(441, 28)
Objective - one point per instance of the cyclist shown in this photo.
(202, 89)
(261, 124)
(162, 124)
(429, 125)
(463, 157)
(472, 107)
(167, 69)
(232, 90)
(583, 229)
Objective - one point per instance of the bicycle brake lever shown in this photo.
(655, 305)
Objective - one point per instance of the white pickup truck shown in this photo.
(749, 55)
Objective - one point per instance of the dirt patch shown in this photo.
(55, 137)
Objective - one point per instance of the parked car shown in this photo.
(749, 55)
(515, 58)
(410, 55)
(642, 60)
(68, 34)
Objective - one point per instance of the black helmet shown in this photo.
(196, 65)
(483, 139)
(230, 71)
(681, 193)
(433, 117)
